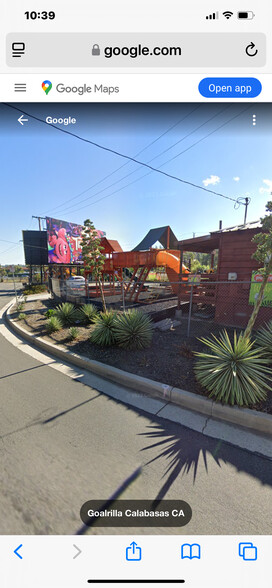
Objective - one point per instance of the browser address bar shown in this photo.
(140, 50)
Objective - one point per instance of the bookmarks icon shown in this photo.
(190, 551)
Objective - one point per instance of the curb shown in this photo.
(251, 419)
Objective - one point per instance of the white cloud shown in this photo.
(267, 189)
(211, 181)
(236, 179)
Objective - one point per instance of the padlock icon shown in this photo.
(96, 50)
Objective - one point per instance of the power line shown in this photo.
(168, 161)
(9, 249)
(124, 164)
(113, 151)
(149, 161)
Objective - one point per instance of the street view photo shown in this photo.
(136, 319)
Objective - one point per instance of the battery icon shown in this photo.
(246, 15)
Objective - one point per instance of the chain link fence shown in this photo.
(225, 304)
(200, 303)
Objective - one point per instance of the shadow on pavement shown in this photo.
(39, 421)
(182, 449)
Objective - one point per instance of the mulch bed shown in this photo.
(169, 360)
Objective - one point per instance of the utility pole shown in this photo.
(40, 228)
(39, 220)
(246, 207)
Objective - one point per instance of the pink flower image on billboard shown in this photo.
(63, 240)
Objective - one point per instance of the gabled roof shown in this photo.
(110, 245)
(115, 245)
(159, 234)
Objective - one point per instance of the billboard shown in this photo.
(35, 247)
(63, 241)
(256, 281)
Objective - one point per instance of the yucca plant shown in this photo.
(233, 373)
(22, 316)
(88, 312)
(50, 312)
(264, 338)
(73, 333)
(67, 313)
(133, 330)
(103, 333)
(53, 324)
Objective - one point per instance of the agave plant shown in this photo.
(103, 333)
(73, 333)
(50, 312)
(53, 324)
(67, 313)
(133, 330)
(234, 373)
(88, 312)
(264, 338)
(22, 316)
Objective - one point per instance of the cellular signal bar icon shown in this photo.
(213, 16)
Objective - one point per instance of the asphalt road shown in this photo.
(63, 443)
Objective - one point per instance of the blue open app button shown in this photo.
(230, 87)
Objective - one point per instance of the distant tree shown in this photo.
(92, 255)
(263, 255)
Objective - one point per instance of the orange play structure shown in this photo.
(140, 263)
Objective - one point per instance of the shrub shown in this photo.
(186, 350)
(35, 289)
(133, 330)
(53, 324)
(66, 313)
(20, 306)
(50, 312)
(88, 312)
(73, 333)
(103, 333)
(264, 338)
(22, 316)
(233, 373)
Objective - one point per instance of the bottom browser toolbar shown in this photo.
(196, 561)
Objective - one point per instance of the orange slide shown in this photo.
(172, 264)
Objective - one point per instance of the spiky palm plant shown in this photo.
(88, 312)
(67, 313)
(233, 373)
(73, 333)
(264, 338)
(53, 324)
(133, 330)
(103, 332)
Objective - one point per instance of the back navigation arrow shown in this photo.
(16, 551)
(22, 120)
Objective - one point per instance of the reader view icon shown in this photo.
(133, 552)
(248, 551)
(192, 551)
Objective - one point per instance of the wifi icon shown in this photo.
(228, 14)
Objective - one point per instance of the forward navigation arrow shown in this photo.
(78, 551)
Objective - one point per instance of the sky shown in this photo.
(46, 172)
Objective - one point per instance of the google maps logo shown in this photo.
(46, 86)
